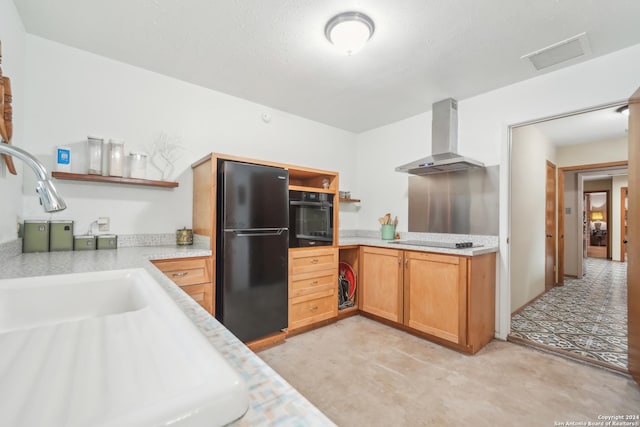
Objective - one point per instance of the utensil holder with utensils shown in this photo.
(388, 231)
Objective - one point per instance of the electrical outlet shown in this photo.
(103, 223)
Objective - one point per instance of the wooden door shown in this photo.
(436, 295)
(550, 228)
(381, 283)
(633, 245)
(561, 225)
(624, 191)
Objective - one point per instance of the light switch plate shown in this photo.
(103, 223)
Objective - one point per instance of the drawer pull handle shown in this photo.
(315, 282)
(314, 308)
(314, 261)
(181, 274)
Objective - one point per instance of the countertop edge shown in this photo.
(364, 241)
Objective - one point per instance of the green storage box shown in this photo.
(35, 236)
(107, 241)
(84, 243)
(60, 236)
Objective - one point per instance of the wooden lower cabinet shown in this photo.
(193, 275)
(313, 283)
(312, 308)
(435, 298)
(381, 293)
(448, 297)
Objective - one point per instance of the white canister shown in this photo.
(94, 151)
(137, 165)
(116, 157)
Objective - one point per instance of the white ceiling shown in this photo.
(274, 52)
(599, 125)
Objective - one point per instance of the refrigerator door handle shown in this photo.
(260, 232)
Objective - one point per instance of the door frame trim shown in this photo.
(560, 220)
(555, 226)
(503, 292)
(624, 192)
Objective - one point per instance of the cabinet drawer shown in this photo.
(312, 282)
(186, 271)
(202, 294)
(312, 308)
(303, 261)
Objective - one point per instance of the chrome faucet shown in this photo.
(49, 198)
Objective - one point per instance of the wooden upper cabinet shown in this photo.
(436, 295)
(205, 180)
(381, 279)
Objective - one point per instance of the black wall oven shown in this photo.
(310, 219)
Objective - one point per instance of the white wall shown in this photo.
(530, 151)
(12, 35)
(73, 93)
(611, 150)
(617, 182)
(484, 123)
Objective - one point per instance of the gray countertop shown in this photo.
(487, 245)
(273, 401)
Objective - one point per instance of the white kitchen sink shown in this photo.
(26, 303)
(108, 349)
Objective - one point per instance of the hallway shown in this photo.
(585, 319)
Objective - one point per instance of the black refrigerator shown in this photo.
(252, 249)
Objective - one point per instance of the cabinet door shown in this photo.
(381, 281)
(435, 295)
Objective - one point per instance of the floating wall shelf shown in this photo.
(343, 200)
(113, 179)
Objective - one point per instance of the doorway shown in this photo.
(596, 235)
(538, 316)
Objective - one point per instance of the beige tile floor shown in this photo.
(363, 373)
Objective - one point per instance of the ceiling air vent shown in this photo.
(573, 47)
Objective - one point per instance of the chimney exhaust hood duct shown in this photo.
(444, 144)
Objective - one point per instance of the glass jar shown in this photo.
(94, 152)
(116, 157)
(137, 165)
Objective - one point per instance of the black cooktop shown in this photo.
(432, 244)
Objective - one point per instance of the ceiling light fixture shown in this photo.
(623, 110)
(349, 31)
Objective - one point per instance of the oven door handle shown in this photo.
(312, 204)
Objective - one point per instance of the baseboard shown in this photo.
(530, 302)
(266, 342)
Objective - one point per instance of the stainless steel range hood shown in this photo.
(444, 144)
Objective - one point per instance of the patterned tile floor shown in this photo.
(586, 318)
